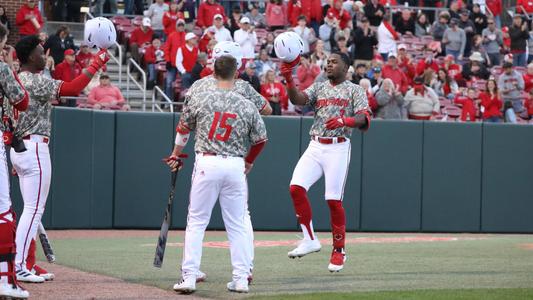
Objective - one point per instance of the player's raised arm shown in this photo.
(289, 47)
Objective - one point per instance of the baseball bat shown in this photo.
(163, 234)
(45, 243)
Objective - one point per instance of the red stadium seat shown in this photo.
(120, 20)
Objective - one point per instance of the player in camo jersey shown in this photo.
(12, 96)
(339, 106)
(224, 122)
(33, 165)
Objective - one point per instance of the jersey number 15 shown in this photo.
(220, 122)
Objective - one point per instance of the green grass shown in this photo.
(494, 266)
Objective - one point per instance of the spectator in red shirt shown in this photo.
(186, 59)
(171, 17)
(528, 78)
(495, 7)
(306, 72)
(405, 62)
(106, 96)
(67, 70)
(276, 15)
(340, 14)
(311, 9)
(491, 104)
(529, 105)
(29, 20)
(140, 37)
(207, 11)
(428, 62)
(209, 35)
(275, 93)
(468, 112)
(392, 71)
(152, 56)
(84, 56)
(170, 49)
(453, 69)
(524, 5)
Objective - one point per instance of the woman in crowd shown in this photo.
(3, 18)
(422, 26)
(320, 55)
(268, 45)
(274, 92)
(491, 103)
(390, 101)
(444, 85)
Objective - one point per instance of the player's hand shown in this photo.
(175, 162)
(286, 68)
(335, 122)
(248, 167)
(101, 58)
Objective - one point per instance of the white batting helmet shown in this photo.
(228, 48)
(100, 32)
(288, 46)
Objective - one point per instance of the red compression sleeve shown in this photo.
(74, 87)
(254, 152)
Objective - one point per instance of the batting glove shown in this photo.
(99, 61)
(175, 162)
(286, 69)
(338, 122)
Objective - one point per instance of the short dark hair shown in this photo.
(25, 47)
(62, 28)
(344, 57)
(104, 76)
(225, 67)
(302, 17)
(3, 31)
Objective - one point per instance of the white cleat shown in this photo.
(201, 276)
(240, 286)
(8, 291)
(305, 247)
(24, 275)
(43, 273)
(186, 286)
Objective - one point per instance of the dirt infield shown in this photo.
(73, 284)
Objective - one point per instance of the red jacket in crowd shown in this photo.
(397, 76)
(311, 9)
(174, 41)
(204, 41)
(189, 57)
(407, 67)
(66, 72)
(140, 37)
(528, 82)
(149, 55)
(343, 16)
(276, 15)
(389, 2)
(269, 90)
(527, 4)
(27, 27)
(372, 102)
(469, 108)
(169, 21)
(207, 11)
(492, 105)
(307, 76)
(84, 59)
(495, 6)
(206, 72)
(529, 107)
(454, 70)
(423, 65)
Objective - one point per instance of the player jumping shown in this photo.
(339, 106)
(33, 164)
(224, 122)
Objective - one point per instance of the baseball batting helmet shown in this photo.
(288, 46)
(228, 48)
(100, 32)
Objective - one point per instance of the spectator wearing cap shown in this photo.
(422, 26)
(311, 9)
(84, 56)
(199, 66)
(140, 37)
(392, 70)
(360, 73)
(376, 77)
(469, 28)
(186, 59)
(405, 24)
(421, 101)
(453, 69)
(170, 49)
(250, 76)
(511, 84)
(276, 15)
(155, 12)
(454, 39)
(106, 96)
(365, 40)
(519, 36)
(153, 55)
(374, 12)
(491, 102)
(247, 38)
(171, 17)
(29, 20)
(67, 70)
(206, 11)
(405, 62)
(306, 72)
(475, 68)
(324, 31)
(275, 93)
(390, 102)
(307, 34)
(493, 41)
(221, 33)
(528, 78)
(207, 37)
(439, 26)
(495, 7)
(429, 61)
(58, 43)
(256, 19)
(264, 63)
(340, 14)
(387, 38)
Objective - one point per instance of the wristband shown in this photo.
(182, 139)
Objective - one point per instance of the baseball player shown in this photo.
(33, 127)
(339, 106)
(224, 122)
(245, 89)
(12, 92)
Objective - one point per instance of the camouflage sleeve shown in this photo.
(44, 89)
(10, 84)
(188, 116)
(191, 91)
(359, 100)
(252, 95)
(258, 131)
(312, 94)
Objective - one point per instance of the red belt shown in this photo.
(45, 139)
(413, 117)
(329, 140)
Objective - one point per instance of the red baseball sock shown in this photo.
(338, 223)
(302, 208)
(30, 260)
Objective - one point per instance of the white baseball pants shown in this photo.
(5, 200)
(35, 172)
(332, 160)
(223, 178)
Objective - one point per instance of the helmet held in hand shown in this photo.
(100, 33)
(288, 46)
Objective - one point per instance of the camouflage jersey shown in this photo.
(241, 87)
(42, 90)
(11, 91)
(328, 101)
(224, 122)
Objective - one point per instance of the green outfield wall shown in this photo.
(404, 175)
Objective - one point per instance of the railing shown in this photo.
(166, 100)
(130, 77)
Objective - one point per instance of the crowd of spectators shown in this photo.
(432, 62)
